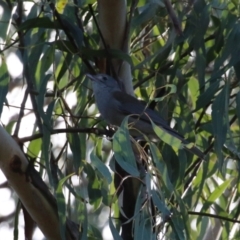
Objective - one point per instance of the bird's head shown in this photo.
(103, 80)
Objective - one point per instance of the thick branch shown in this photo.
(113, 26)
(13, 163)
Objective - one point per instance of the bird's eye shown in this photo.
(104, 78)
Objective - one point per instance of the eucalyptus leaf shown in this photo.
(39, 22)
(114, 231)
(4, 81)
(204, 98)
(75, 143)
(219, 120)
(61, 206)
(166, 137)
(215, 195)
(100, 166)
(122, 148)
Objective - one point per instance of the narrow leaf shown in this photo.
(166, 136)
(122, 148)
(100, 166)
(215, 195)
(74, 142)
(219, 121)
(4, 80)
(205, 97)
(61, 205)
(114, 231)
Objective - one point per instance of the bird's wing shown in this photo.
(130, 105)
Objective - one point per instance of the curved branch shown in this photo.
(14, 165)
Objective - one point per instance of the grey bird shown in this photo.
(114, 105)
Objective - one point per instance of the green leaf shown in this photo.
(122, 148)
(198, 182)
(193, 87)
(177, 224)
(74, 142)
(147, 11)
(238, 106)
(46, 143)
(144, 230)
(219, 121)
(138, 228)
(94, 233)
(100, 166)
(94, 186)
(166, 136)
(44, 65)
(205, 221)
(231, 47)
(34, 148)
(173, 90)
(45, 22)
(114, 231)
(83, 219)
(237, 69)
(61, 205)
(42, 92)
(67, 46)
(4, 80)
(164, 52)
(169, 190)
(205, 97)
(201, 66)
(162, 169)
(215, 195)
(63, 66)
(34, 55)
(160, 204)
(72, 29)
(39, 22)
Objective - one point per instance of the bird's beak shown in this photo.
(91, 77)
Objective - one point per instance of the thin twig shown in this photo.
(214, 216)
(21, 113)
(96, 131)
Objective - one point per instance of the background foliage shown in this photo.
(193, 76)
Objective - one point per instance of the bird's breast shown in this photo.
(107, 107)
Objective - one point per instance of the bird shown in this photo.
(114, 105)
